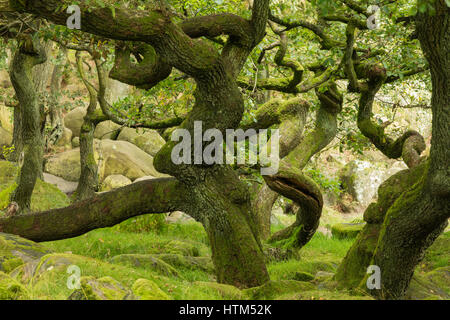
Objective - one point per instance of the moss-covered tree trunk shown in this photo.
(413, 206)
(263, 203)
(292, 183)
(28, 55)
(88, 183)
(54, 109)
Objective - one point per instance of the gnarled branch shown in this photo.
(103, 210)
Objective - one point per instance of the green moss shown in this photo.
(45, 196)
(354, 266)
(323, 295)
(431, 285)
(346, 230)
(10, 289)
(144, 223)
(146, 261)
(411, 195)
(291, 242)
(437, 255)
(181, 247)
(105, 288)
(187, 262)
(14, 250)
(148, 290)
(273, 289)
(224, 291)
(11, 264)
(5, 195)
(303, 276)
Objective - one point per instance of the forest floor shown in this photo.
(174, 260)
(148, 258)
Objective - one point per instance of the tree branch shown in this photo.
(146, 73)
(103, 210)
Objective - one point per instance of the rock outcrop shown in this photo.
(113, 158)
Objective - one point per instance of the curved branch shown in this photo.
(291, 181)
(410, 145)
(326, 41)
(349, 69)
(121, 119)
(220, 24)
(407, 73)
(154, 27)
(361, 24)
(293, 184)
(88, 183)
(296, 152)
(145, 74)
(103, 210)
(355, 6)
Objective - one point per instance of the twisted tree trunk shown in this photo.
(413, 206)
(292, 183)
(28, 55)
(88, 183)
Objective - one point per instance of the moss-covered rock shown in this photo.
(323, 276)
(346, 230)
(74, 120)
(76, 142)
(107, 130)
(147, 261)
(119, 157)
(141, 224)
(16, 251)
(225, 291)
(148, 140)
(187, 262)
(106, 288)
(273, 289)
(181, 247)
(32, 271)
(10, 289)
(114, 182)
(303, 276)
(145, 289)
(66, 139)
(432, 285)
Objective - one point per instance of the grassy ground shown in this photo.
(92, 253)
(321, 254)
(45, 196)
(150, 235)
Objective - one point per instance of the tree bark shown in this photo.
(88, 183)
(292, 183)
(54, 109)
(103, 210)
(413, 206)
(28, 55)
